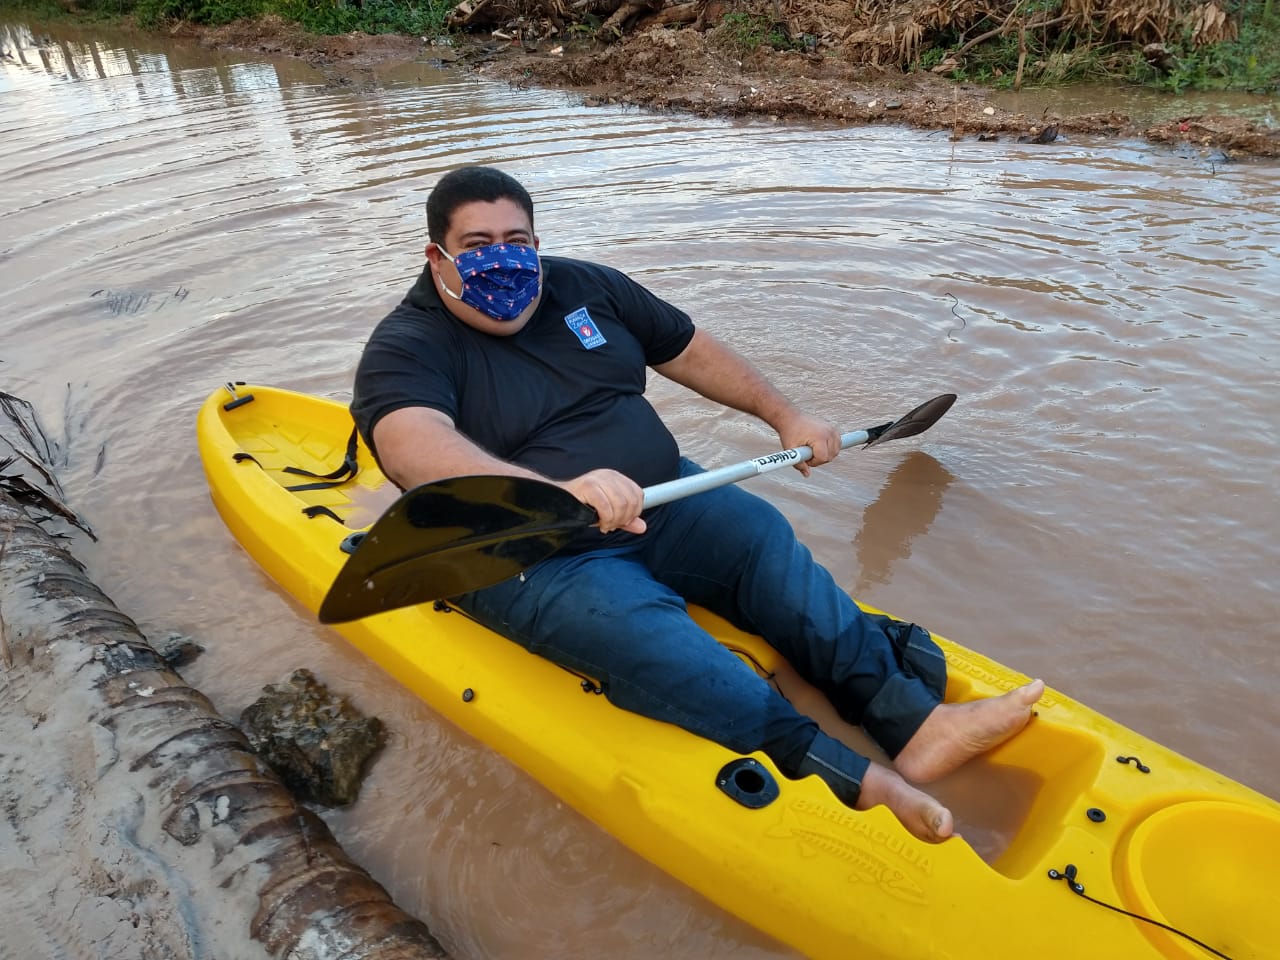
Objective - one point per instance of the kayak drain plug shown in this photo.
(1095, 814)
(747, 782)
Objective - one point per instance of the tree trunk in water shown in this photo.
(134, 820)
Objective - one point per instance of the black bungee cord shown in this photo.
(1069, 875)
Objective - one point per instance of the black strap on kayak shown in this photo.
(334, 478)
(1069, 874)
(320, 510)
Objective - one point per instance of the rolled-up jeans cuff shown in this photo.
(897, 712)
(839, 767)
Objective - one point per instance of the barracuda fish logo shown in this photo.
(978, 671)
(838, 837)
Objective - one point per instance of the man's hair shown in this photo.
(468, 185)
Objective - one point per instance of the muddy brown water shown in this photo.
(1099, 509)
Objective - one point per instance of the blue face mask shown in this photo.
(500, 280)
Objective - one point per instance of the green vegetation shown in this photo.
(1054, 57)
(744, 33)
(1054, 62)
(415, 17)
(57, 9)
(1250, 62)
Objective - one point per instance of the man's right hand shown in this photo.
(615, 497)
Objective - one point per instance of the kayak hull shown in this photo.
(1156, 834)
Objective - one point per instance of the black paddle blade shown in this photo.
(917, 421)
(450, 537)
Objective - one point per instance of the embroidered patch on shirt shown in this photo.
(585, 328)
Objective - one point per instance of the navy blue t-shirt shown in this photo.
(563, 396)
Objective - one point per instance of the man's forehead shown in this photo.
(498, 217)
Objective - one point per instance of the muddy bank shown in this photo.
(681, 70)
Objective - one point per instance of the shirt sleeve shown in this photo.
(662, 329)
(404, 364)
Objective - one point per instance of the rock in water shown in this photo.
(316, 742)
(178, 650)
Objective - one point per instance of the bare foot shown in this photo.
(956, 732)
(920, 813)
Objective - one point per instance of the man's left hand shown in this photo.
(802, 430)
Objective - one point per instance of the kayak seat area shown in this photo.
(303, 459)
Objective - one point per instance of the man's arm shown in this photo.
(718, 372)
(420, 445)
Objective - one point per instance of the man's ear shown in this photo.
(436, 257)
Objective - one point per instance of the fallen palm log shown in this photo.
(679, 11)
(136, 820)
(627, 12)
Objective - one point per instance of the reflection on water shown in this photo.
(908, 502)
(1097, 509)
(76, 55)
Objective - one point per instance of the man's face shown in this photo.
(479, 224)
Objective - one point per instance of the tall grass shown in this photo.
(1251, 61)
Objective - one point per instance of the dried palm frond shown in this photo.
(1080, 13)
(1140, 20)
(906, 40)
(882, 31)
(1211, 24)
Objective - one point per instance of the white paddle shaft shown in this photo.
(661, 493)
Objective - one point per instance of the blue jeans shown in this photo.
(618, 615)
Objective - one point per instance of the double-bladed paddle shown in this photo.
(456, 535)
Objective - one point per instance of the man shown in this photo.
(500, 361)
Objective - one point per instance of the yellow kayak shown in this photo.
(1121, 848)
